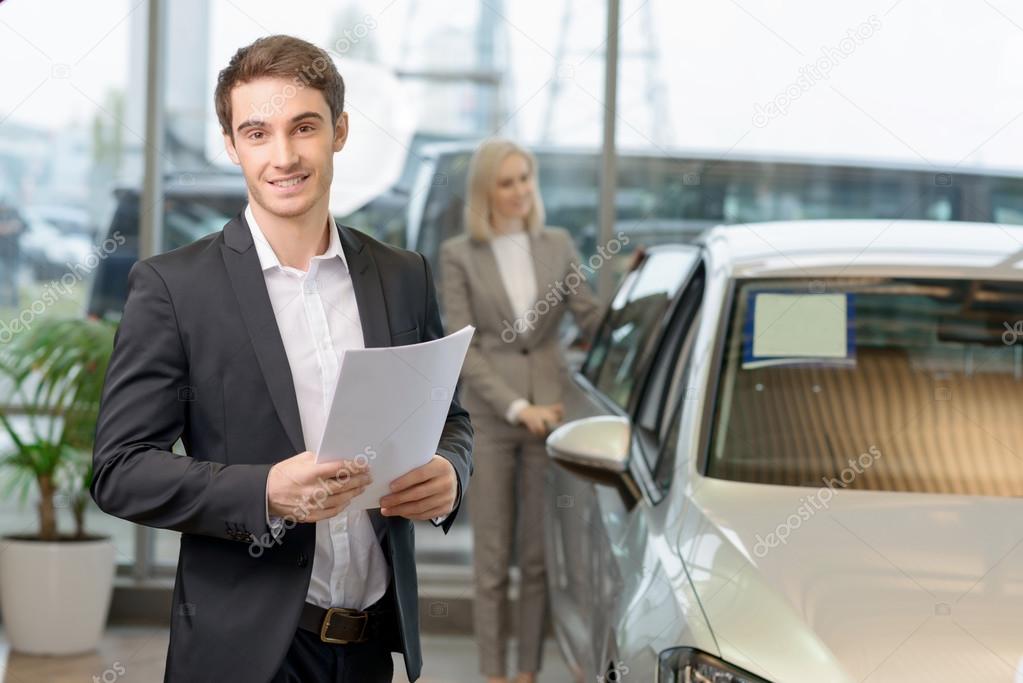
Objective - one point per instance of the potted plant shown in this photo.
(55, 588)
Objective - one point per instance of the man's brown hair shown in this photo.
(293, 59)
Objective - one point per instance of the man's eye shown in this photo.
(253, 136)
(301, 128)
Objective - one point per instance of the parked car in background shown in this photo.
(386, 216)
(671, 198)
(197, 204)
(793, 455)
(69, 219)
(194, 206)
(48, 248)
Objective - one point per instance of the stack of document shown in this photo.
(389, 409)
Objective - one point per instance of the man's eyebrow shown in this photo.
(249, 123)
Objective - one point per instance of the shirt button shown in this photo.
(302, 560)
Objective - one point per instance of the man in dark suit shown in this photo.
(233, 345)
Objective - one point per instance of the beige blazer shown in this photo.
(514, 356)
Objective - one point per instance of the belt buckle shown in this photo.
(331, 611)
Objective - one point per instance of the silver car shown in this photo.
(795, 453)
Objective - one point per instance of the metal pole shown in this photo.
(151, 206)
(608, 166)
(486, 38)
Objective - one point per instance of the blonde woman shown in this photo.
(513, 279)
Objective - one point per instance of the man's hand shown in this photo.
(540, 419)
(308, 492)
(426, 492)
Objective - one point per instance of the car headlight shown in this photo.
(688, 665)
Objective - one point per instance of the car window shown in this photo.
(664, 467)
(894, 384)
(624, 342)
(668, 369)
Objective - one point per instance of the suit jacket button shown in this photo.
(525, 352)
(302, 560)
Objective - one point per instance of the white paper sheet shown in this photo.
(800, 326)
(389, 409)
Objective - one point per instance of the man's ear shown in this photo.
(341, 131)
(231, 151)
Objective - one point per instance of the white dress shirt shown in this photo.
(319, 320)
(515, 264)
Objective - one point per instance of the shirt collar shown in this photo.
(268, 257)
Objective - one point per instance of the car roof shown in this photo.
(877, 247)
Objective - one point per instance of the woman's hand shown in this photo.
(539, 420)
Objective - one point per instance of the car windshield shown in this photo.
(887, 384)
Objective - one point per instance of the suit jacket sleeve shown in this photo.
(477, 371)
(456, 439)
(142, 414)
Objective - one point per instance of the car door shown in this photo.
(595, 536)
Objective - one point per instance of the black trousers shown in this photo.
(310, 660)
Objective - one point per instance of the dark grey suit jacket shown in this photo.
(198, 355)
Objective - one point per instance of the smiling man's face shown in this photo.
(284, 141)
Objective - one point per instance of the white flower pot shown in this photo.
(54, 596)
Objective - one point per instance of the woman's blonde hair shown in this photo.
(482, 170)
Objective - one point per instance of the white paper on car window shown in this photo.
(800, 326)
(389, 408)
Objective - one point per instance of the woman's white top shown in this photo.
(515, 264)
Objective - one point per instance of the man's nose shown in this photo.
(284, 155)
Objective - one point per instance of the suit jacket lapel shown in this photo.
(369, 292)
(545, 275)
(486, 268)
(243, 268)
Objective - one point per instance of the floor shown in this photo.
(136, 654)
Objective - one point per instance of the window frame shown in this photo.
(642, 471)
(675, 347)
(593, 374)
(686, 319)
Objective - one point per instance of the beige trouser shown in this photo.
(507, 502)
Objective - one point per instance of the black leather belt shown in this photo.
(342, 625)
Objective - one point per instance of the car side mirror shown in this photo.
(597, 448)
